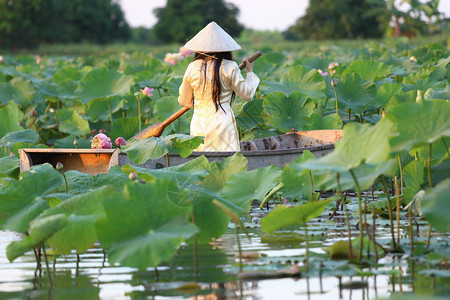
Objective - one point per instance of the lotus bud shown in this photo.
(324, 74)
(120, 141)
(33, 113)
(132, 176)
(75, 143)
(1, 59)
(93, 131)
(333, 83)
(59, 166)
(102, 131)
(147, 91)
(413, 59)
(383, 115)
(51, 110)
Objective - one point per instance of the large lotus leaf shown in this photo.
(221, 171)
(139, 151)
(353, 94)
(20, 200)
(68, 142)
(269, 63)
(386, 92)
(432, 94)
(435, 206)
(438, 151)
(167, 106)
(250, 117)
(10, 117)
(299, 79)
(440, 172)
(82, 212)
(368, 70)
(286, 112)
(23, 136)
(243, 187)
(297, 185)
(72, 123)
(70, 73)
(63, 91)
(332, 121)
(283, 216)
(139, 61)
(40, 230)
(103, 83)
(360, 143)
(413, 175)
(18, 90)
(419, 123)
(143, 227)
(150, 79)
(79, 183)
(125, 127)
(9, 166)
(98, 109)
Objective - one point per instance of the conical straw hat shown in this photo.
(212, 38)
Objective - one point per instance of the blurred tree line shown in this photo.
(27, 23)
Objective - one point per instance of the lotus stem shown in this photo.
(312, 186)
(335, 95)
(325, 105)
(232, 215)
(66, 186)
(374, 216)
(167, 160)
(239, 246)
(401, 173)
(358, 193)
(430, 183)
(383, 182)
(347, 220)
(365, 223)
(46, 263)
(411, 231)
(307, 247)
(349, 115)
(397, 193)
(139, 111)
(110, 113)
(195, 250)
(271, 193)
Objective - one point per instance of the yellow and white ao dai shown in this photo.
(217, 127)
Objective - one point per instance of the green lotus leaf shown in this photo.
(9, 166)
(286, 112)
(250, 117)
(40, 230)
(23, 136)
(139, 151)
(68, 142)
(419, 123)
(332, 121)
(353, 94)
(18, 90)
(435, 206)
(297, 185)
(432, 94)
(269, 63)
(62, 91)
(98, 109)
(150, 79)
(413, 175)
(283, 216)
(386, 92)
(142, 227)
(21, 200)
(140, 61)
(79, 182)
(10, 117)
(82, 211)
(299, 79)
(167, 106)
(368, 70)
(221, 171)
(125, 127)
(103, 83)
(243, 187)
(72, 123)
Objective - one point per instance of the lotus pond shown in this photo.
(368, 220)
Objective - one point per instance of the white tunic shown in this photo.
(218, 127)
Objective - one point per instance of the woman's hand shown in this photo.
(248, 65)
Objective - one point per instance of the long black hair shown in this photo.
(216, 86)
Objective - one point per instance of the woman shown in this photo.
(209, 85)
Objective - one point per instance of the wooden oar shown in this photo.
(158, 128)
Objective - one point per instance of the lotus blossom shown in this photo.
(1, 59)
(120, 141)
(173, 58)
(324, 74)
(332, 67)
(147, 91)
(101, 141)
(185, 52)
(413, 59)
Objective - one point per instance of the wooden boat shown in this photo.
(277, 150)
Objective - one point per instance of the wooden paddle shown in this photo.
(158, 128)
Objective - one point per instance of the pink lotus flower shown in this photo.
(1, 59)
(324, 74)
(101, 141)
(120, 141)
(185, 52)
(332, 67)
(173, 58)
(147, 91)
